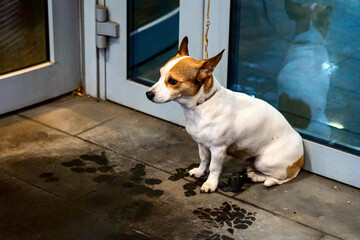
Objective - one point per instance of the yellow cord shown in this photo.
(207, 30)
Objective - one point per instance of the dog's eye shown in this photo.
(172, 81)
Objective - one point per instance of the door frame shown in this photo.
(55, 77)
(112, 62)
(319, 159)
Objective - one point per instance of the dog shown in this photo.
(225, 122)
(304, 82)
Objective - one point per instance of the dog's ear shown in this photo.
(294, 10)
(208, 67)
(204, 74)
(183, 49)
(326, 15)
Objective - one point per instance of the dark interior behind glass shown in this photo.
(23, 34)
(302, 57)
(153, 30)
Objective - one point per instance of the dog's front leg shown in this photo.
(217, 158)
(204, 154)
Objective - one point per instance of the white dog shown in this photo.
(225, 122)
(304, 81)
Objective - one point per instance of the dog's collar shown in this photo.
(201, 102)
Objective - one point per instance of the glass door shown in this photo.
(39, 51)
(301, 57)
(298, 55)
(149, 37)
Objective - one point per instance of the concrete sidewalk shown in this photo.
(76, 168)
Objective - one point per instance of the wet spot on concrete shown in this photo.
(132, 181)
(122, 236)
(181, 172)
(128, 184)
(48, 177)
(99, 159)
(153, 181)
(105, 178)
(236, 182)
(189, 187)
(105, 169)
(138, 172)
(136, 184)
(137, 189)
(83, 170)
(78, 165)
(133, 211)
(229, 216)
(73, 163)
(223, 237)
(155, 193)
(52, 179)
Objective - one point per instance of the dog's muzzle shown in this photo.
(150, 95)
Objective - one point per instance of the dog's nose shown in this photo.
(150, 95)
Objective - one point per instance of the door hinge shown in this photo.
(104, 27)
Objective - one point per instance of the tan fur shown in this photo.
(292, 170)
(303, 15)
(241, 154)
(184, 72)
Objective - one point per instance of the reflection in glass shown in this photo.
(22, 34)
(153, 37)
(299, 55)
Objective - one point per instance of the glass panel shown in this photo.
(153, 37)
(23, 34)
(303, 58)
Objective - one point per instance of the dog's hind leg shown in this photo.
(292, 171)
(257, 176)
(205, 156)
(268, 180)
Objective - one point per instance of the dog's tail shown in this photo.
(272, 181)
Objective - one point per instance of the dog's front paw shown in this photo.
(208, 187)
(196, 172)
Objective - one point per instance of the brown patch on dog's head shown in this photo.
(190, 74)
(183, 76)
(303, 15)
(184, 73)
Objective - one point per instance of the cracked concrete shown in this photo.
(77, 168)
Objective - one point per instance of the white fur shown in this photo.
(222, 118)
(253, 125)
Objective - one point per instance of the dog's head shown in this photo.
(317, 13)
(183, 76)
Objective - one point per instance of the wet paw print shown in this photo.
(137, 184)
(49, 177)
(181, 172)
(78, 165)
(228, 216)
(236, 182)
(188, 187)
